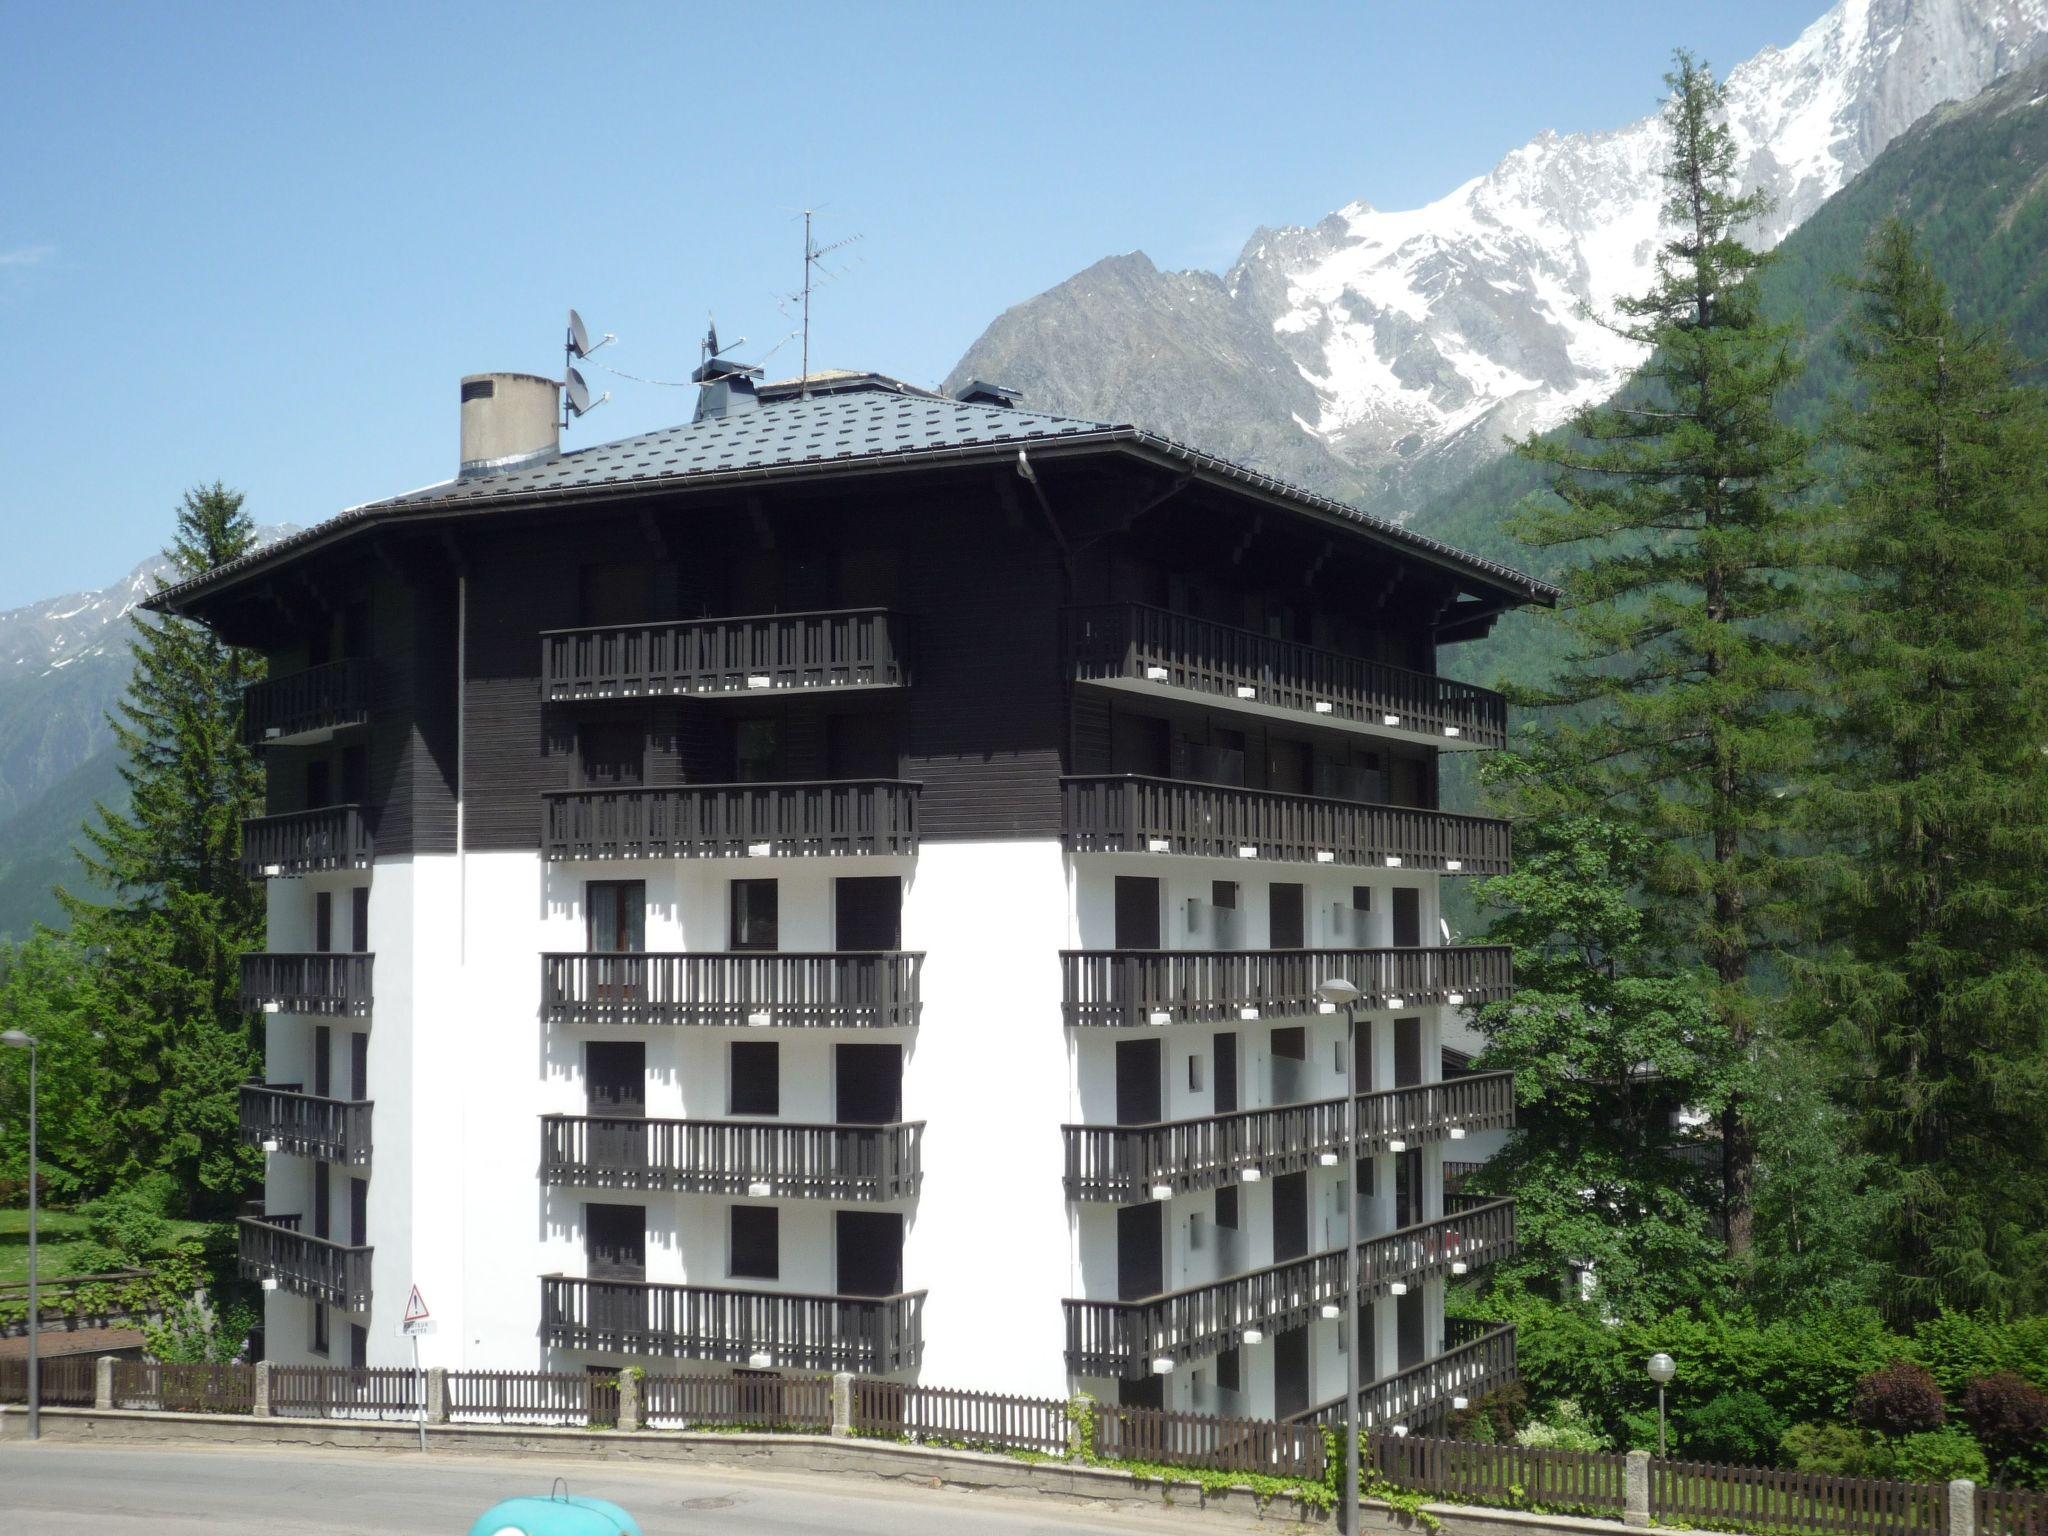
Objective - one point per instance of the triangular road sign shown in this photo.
(415, 1307)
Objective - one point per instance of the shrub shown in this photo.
(1832, 1450)
(193, 1332)
(1567, 1428)
(1734, 1427)
(2008, 1415)
(127, 1225)
(1934, 1456)
(1901, 1399)
(1492, 1418)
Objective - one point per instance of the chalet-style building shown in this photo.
(842, 885)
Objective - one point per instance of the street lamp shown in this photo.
(23, 1041)
(1662, 1368)
(1339, 993)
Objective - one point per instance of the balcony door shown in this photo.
(867, 912)
(1290, 1373)
(323, 922)
(358, 1066)
(756, 916)
(358, 1212)
(870, 1252)
(1139, 1068)
(615, 1249)
(1225, 1075)
(1407, 914)
(1290, 1217)
(1286, 916)
(1140, 1250)
(615, 923)
(323, 1059)
(1410, 1327)
(1407, 1053)
(867, 1084)
(1137, 912)
(615, 1097)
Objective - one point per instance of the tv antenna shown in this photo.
(814, 255)
(576, 399)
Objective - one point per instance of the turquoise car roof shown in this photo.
(562, 1515)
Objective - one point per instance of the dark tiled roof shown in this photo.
(791, 436)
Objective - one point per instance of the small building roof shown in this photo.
(62, 1343)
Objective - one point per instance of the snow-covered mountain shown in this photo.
(1377, 352)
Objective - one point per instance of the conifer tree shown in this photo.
(1930, 797)
(177, 912)
(1682, 494)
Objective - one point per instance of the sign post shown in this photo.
(418, 1321)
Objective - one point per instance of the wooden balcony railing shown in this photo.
(838, 817)
(1126, 813)
(733, 1157)
(305, 842)
(847, 648)
(1124, 1338)
(1131, 641)
(273, 1248)
(844, 989)
(1422, 1394)
(1127, 988)
(333, 1130)
(307, 703)
(870, 1335)
(1126, 1163)
(328, 984)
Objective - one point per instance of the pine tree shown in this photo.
(1684, 494)
(1606, 1042)
(1930, 797)
(179, 913)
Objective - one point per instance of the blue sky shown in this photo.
(261, 243)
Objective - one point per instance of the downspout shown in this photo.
(461, 765)
(1030, 478)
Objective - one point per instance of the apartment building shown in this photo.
(843, 884)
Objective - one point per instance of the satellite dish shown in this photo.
(579, 393)
(579, 338)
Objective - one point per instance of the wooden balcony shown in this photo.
(836, 818)
(1130, 646)
(305, 842)
(1124, 1338)
(761, 1159)
(757, 653)
(1421, 1395)
(330, 985)
(307, 706)
(783, 1330)
(845, 989)
(273, 1248)
(1128, 813)
(304, 1124)
(1127, 1163)
(1130, 988)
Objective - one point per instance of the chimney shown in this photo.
(981, 392)
(724, 389)
(509, 421)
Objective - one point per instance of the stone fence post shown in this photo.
(259, 1384)
(103, 1382)
(1635, 1489)
(1962, 1507)
(629, 1400)
(842, 1403)
(1080, 1418)
(437, 1394)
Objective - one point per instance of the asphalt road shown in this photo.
(49, 1490)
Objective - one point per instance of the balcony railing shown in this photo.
(327, 984)
(733, 1157)
(848, 648)
(1131, 641)
(1124, 1338)
(839, 817)
(846, 989)
(1127, 813)
(869, 1335)
(273, 1248)
(1126, 1163)
(333, 1130)
(1418, 1396)
(1126, 988)
(305, 842)
(306, 704)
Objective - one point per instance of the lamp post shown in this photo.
(1662, 1368)
(1343, 994)
(23, 1041)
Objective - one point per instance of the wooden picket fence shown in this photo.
(1462, 1471)
(1708, 1493)
(152, 1384)
(338, 1392)
(2011, 1512)
(798, 1404)
(1259, 1446)
(65, 1382)
(950, 1416)
(582, 1398)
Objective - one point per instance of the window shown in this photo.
(756, 1243)
(359, 919)
(756, 909)
(1137, 912)
(358, 1346)
(1229, 1372)
(319, 1344)
(1286, 911)
(615, 916)
(323, 921)
(1226, 1207)
(1291, 1043)
(868, 912)
(1361, 898)
(1194, 1074)
(754, 1078)
(612, 752)
(1407, 916)
(757, 751)
(1223, 895)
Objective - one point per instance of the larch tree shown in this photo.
(1684, 495)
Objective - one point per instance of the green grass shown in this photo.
(59, 1235)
